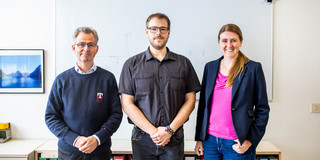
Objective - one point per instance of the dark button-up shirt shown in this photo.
(159, 88)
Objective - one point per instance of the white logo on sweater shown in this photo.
(99, 97)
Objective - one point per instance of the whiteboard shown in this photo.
(194, 30)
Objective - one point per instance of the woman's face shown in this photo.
(230, 44)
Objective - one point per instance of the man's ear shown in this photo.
(73, 47)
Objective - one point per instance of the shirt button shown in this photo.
(233, 109)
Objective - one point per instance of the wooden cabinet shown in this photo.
(267, 149)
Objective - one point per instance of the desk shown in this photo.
(267, 148)
(19, 149)
(49, 149)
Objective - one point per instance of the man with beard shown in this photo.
(158, 91)
(84, 108)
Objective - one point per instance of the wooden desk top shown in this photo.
(19, 148)
(266, 147)
(49, 149)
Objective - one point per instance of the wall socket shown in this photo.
(315, 108)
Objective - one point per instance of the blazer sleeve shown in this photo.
(262, 108)
(201, 106)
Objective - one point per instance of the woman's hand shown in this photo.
(241, 148)
(199, 148)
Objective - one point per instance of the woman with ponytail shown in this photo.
(233, 108)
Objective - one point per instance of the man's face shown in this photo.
(157, 33)
(85, 47)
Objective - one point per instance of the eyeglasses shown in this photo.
(83, 45)
(155, 29)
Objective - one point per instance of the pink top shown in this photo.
(220, 122)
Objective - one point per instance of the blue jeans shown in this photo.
(143, 148)
(65, 155)
(218, 148)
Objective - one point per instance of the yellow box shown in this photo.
(4, 125)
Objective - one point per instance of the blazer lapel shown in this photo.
(213, 76)
(211, 81)
(237, 81)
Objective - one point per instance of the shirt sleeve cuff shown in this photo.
(74, 142)
(95, 136)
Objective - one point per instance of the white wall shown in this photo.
(292, 127)
(28, 25)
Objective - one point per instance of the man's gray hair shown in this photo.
(86, 30)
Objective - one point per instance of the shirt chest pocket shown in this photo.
(177, 81)
(144, 82)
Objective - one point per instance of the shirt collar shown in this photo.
(91, 70)
(169, 55)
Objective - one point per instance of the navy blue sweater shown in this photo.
(84, 105)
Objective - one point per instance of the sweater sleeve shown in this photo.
(54, 118)
(113, 121)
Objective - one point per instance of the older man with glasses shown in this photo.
(84, 108)
(158, 91)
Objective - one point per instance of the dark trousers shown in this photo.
(143, 148)
(65, 155)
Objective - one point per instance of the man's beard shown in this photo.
(158, 46)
